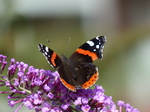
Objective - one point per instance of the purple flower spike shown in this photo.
(43, 91)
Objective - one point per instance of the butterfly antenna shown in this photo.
(67, 44)
(53, 45)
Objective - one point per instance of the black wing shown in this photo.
(89, 51)
(53, 59)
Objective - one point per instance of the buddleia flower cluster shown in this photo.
(43, 91)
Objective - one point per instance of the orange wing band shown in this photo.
(53, 58)
(86, 52)
(72, 88)
(90, 82)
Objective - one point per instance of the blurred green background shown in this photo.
(125, 68)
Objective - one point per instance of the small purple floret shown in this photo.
(85, 108)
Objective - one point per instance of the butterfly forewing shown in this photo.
(90, 51)
(53, 59)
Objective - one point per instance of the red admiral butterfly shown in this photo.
(77, 71)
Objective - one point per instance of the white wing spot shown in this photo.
(45, 53)
(97, 38)
(96, 69)
(46, 48)
(97, 46)
(90, 43)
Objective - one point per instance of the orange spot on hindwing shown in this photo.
(90, 82)
(86, 52)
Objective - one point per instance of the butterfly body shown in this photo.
(77, 71)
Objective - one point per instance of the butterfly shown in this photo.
(77, 71)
